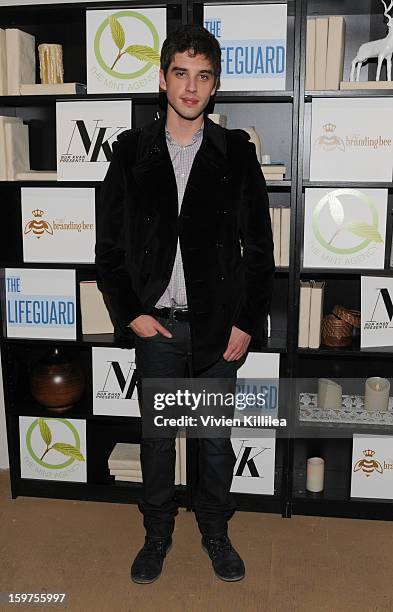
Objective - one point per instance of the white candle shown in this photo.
(376, 394)
(315, 474)
(266, 159)
(329, 394)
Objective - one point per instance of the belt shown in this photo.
(175, 314)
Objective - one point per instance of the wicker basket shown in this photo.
(335, 331)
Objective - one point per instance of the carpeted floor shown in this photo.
(85, 549)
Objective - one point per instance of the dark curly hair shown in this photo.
(195, 39)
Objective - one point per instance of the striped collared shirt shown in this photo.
(182, 158)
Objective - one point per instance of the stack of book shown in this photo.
(325, 52)
(125, 465)
(18, 68)
(274, 171)
(280, 218)
(310, 313)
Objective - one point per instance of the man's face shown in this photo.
(189, 83)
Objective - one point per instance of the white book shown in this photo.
(218, 118)
(20, 52)
(274, 168)
(17, 148)
(183, 459)
(271, 215)
(124, 456)
(95, 315)
(129, 478)
(131, 472)
(316, 313)
(277, 235)
(285, 229)
(51, 89)
(3, 64)
(304, 314)
(3, 144)
(335, 52)
(177, 464)
(37, 175)
(273, 177)
(310, 55)
(321, 37)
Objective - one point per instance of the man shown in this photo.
(180, 199)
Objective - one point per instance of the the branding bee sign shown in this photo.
(114, 382)
(253, 45)
(85, 132)
(255, 461)
(53, 448)
(377, 311)
(39, 303)
(123, 49)
(345, 228)
(351, 139)
(58, 224)
(372, 466)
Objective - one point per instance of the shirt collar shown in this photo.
(195, 137)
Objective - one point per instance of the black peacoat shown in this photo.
(225, 206)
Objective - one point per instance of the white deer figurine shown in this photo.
(381, 48)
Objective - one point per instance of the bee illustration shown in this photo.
(38, 226)
(328, 141)
(368, 465)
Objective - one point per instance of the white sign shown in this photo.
(85, 132)
(253, 45)
(123, 49)
(58, 225)
(255, 461)
(345, 228)
(351, 139)
(260, 365)
(40, 303)
(53, 449)
(376, 311)
(372, 466)
(114, 382)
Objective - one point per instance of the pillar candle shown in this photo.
(329, 394)
(315, 474)
(376, 394)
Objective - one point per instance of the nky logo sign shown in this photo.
(245, 460)
(118, 383)
(85, 148)
(382, 313)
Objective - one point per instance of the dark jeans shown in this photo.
(157, 357)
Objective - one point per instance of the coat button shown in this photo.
(220, 277)
(148, 219)
(224, 179)
(147, 251)
(219, 245)
(222, 211)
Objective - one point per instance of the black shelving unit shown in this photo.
(281, 117)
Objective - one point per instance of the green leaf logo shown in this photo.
(144, 53)
(336, 209)
(45, 432)
(364, 230)
(69, 450)
(65, 449)
(117, 32)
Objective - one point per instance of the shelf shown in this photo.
(348, 93)
(319, 272)
(348, 184)
(354, 351)
(314, 429)
(90, 267)
(279, 184)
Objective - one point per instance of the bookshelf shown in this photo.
(282, 120)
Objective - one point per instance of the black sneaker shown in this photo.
(227, 563)
(148, 563)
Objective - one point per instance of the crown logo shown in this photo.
(37, 212)
(368, 452)
(329, 127)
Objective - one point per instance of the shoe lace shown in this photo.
(219, 546)
(158, 546)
